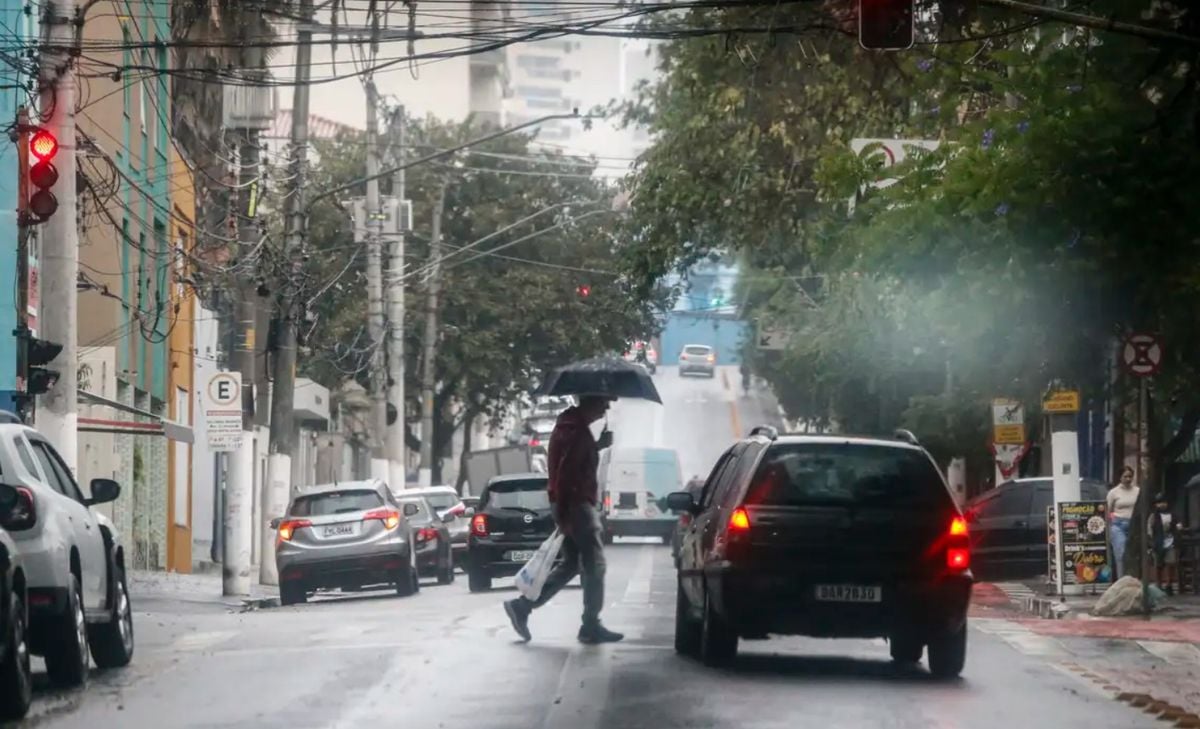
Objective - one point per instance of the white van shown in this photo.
(635, 483)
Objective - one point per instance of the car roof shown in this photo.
(704, 346)
(364, 485)
(833, 439)
(426, 490)
(532, 475)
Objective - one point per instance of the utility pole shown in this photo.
(375, 330)
(396, 449)
(57, 418)
(283, 432)
(429, 362)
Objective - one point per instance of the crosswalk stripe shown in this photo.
(1176, 654)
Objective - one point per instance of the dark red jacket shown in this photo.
(572, 461)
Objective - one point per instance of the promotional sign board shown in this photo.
(1084, 548)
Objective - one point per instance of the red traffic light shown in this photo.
(43, 145)
(583, 290)
(885, 25)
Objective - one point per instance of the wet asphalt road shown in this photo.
(448, 659)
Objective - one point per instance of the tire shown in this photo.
(16, 682)
(67, 657)
(292, 592)
(905, 648)
(446, 571)
(687, 630)
(112, 642)
(948, 653)
(718, 641)
(408, 580)
(478, 580)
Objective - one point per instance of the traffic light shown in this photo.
(885, 25)
(583, 290)
(42, 175)
(39, 352)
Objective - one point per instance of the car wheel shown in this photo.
(112, 642)
(718, 641)
(67, 659)
(16, 682)
(446, 571)
(948, 653)
(292, 592)
(478, 580)
(408, 580)
(905, 647)
(687, 629)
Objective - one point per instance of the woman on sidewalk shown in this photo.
(1121, 501)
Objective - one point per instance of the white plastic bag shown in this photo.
(532, 576)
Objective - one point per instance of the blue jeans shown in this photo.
(1118, 536)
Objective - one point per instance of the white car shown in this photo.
(73, 559)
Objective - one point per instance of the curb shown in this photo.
(1045, 607)
(258, 603)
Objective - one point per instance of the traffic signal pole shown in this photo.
(58, 414)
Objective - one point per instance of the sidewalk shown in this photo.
(202, 588)
(1038, 599)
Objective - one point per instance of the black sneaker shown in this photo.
(519, 619)
(598, 634)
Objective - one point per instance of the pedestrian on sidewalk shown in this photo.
(1163, 527)
(1122, 499)
(572, 461)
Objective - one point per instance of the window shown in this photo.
(64, 474)
(526, 495)
(336, 502)
(542, 62)
(1012, 501)
(539, 92)
(697, 349)
(25, 456)
(741, 473)
(50, 476)
(847, 473)
(442, 501)
(718, 474)
(536, 103)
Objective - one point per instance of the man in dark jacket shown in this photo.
(574, 495)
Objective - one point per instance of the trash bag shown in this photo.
(532, 576)
(1124, 597)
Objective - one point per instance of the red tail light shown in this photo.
(958, 547)
(23, 514)
(389, 517)
(287, 529)
(479, 525)
(427, 534)
(534, 442)
(685, 519)
(607, 501)
(739, 520)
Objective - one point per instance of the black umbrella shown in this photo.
(605, 376)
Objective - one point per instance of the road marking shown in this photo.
(637, 592)
(1034, 645)
(735, 420)
(1176, 654)
(582, 692)
(725, 378)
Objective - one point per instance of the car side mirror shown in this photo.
(410, 510)
(276, 522)
(680, 502)
(104, 490)
(468, 512)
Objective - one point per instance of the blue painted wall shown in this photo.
(18, 27)
(723, 333)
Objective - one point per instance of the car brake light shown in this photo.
(607, 501)
(288, 528)
(479, 525)
(958, 558)
(958, 527)
(739, 520)
(712, 358)
(390, 518)
(23, 514)
(958, 551)
(534, 442)
(427, 534)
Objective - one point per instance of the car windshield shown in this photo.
(336, 502)
(526, 495)
(441, 501)
(859, 475)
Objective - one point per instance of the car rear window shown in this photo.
(441, 501)
(336, 502)
(529, 495)
(846, 473)
(697, 350)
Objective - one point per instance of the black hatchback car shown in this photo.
(511, 522)
(826, 536)
(1008, 526)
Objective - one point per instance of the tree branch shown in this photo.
(1179, 442)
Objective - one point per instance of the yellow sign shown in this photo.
(1062, 401)
(1013, 434)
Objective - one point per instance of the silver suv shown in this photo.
(73, 559)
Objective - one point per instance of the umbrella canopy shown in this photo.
(604, 376)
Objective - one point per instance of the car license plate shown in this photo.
(339, 530)
(849, 593)
(521, 555)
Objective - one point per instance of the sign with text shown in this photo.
(1008, 422)
(1061, 401)
(223, 411)
(1084, 543)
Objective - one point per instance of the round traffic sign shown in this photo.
(1142, 355)
(224, 389)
